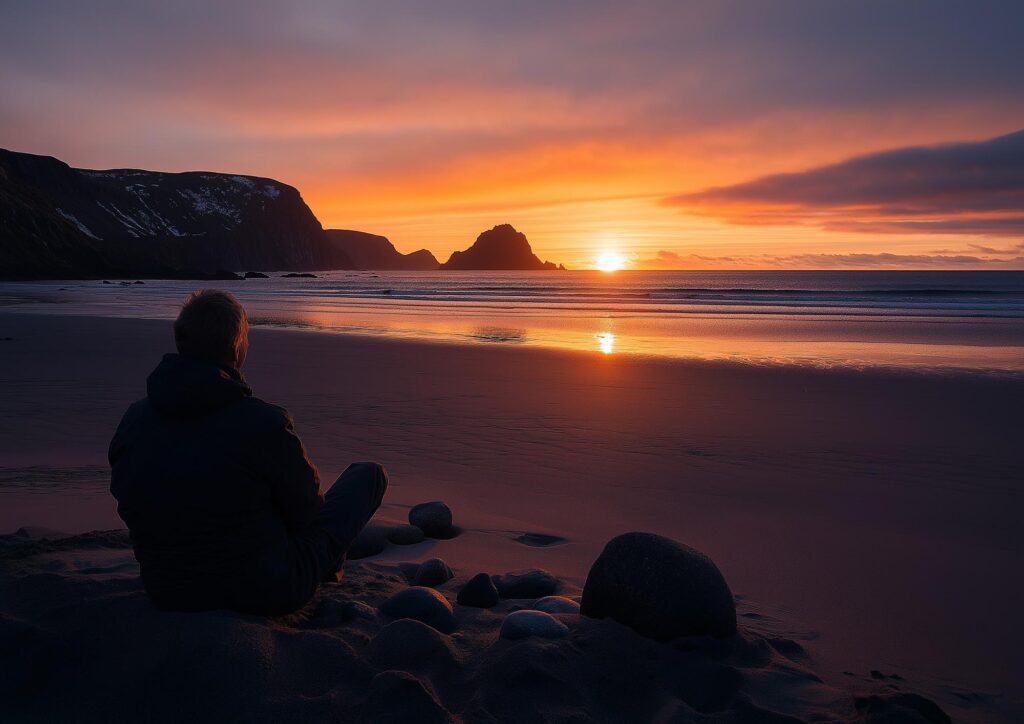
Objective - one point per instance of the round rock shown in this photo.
(433, 518)
(407, 643)
(372, 539)
(405, 535)
(478, 592)
(432, 572)
(422, 604)
(522, 624)
(660, 588)
(532, 583)
(556, 604)
(397, 696)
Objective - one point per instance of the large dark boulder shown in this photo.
(659, 588)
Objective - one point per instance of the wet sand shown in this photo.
(875, 513)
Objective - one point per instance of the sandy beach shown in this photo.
(870, 516)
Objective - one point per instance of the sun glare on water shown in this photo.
(610, 261)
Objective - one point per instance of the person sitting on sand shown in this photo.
(222, 503)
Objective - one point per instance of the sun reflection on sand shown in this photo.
(606, 342)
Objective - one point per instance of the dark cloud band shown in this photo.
(958, 188)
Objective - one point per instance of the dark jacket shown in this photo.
(211, 482)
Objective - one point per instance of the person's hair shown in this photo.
(212, 325)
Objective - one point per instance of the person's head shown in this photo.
(212, 326)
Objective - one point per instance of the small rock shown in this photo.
(659, 588)
(432, 572)
(478, 592)
(405, 535)
(407, 643)
(372, 539)
(224, 275)
(532, 583)
(398, 696)
(521, 624)
(255, 275)
(299, 275)
(38, 532)
(434, 519)
(423, 604)
(556, 604)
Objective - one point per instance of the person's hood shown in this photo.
(182, 385)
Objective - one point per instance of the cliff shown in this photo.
(58, 221)
(370, 251)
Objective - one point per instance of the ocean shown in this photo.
(926, 320)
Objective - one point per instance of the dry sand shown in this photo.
(867, 521)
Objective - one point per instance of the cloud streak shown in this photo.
(945, 259)
(957, 188)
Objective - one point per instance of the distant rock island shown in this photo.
(371, 251)
(59, 222)
(499, 249)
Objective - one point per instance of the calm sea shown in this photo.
(929, 320)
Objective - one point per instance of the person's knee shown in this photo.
(379, 476)
(371, 477)
(368, 471)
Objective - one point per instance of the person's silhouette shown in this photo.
(222, 503)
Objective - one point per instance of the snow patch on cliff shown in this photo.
(81, 227)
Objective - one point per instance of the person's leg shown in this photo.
(288, 579)
(348, 506)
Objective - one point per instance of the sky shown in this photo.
(726, 134)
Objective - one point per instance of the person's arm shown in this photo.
(294, 481)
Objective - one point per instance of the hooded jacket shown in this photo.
(210, 481)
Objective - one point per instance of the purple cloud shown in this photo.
(956, 188)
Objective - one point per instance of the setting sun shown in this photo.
(610, 261)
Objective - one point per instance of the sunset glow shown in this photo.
(610, 261)
(441, 122)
